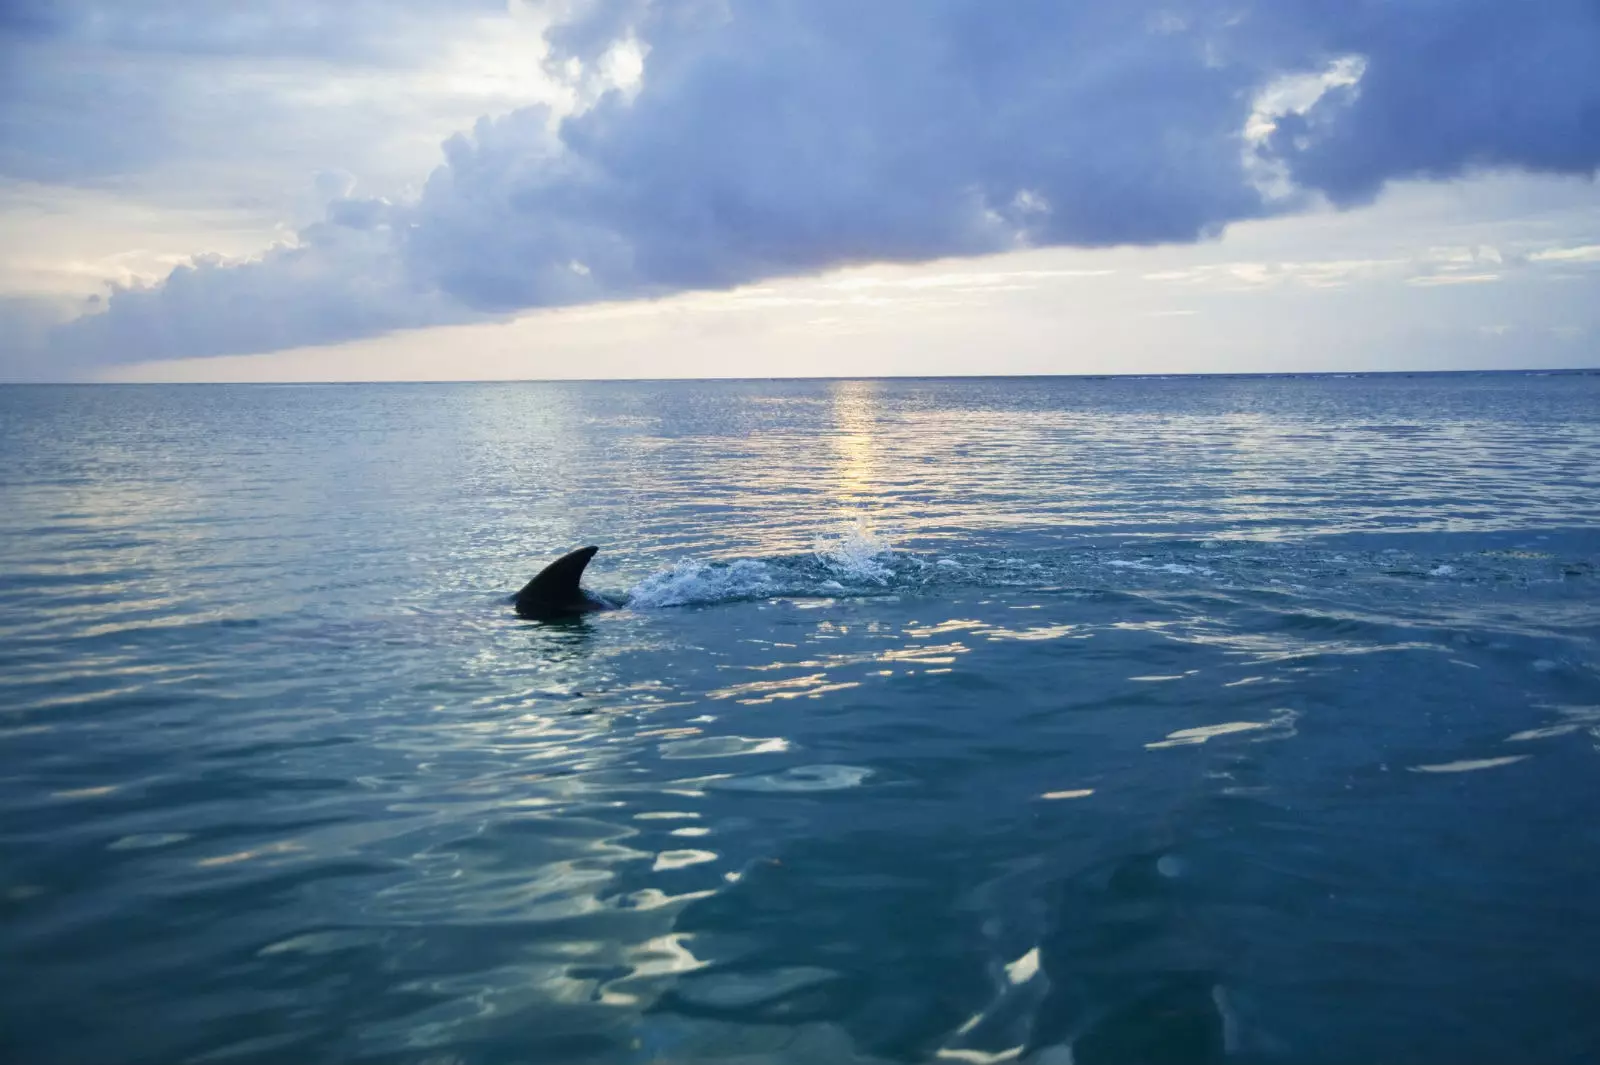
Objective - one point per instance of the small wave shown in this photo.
(1468, 765)
(1161, 567)
(800, 778)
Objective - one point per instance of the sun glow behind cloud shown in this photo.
(1291, 95)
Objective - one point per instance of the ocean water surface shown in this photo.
(1057, 720)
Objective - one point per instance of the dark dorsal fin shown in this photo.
(555, 589)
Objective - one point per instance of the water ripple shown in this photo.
(978, 720)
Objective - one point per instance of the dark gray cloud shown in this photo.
(781, 138)
(776, 137)
(1448, 87)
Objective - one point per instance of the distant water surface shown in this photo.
(1130, 720)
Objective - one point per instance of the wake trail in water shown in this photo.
(855, 561)
(859, 561)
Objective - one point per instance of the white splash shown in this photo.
(856, 552)
(704, 582)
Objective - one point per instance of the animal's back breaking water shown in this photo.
(1047, 720)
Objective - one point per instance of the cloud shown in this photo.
(106, 93)
(378, 31)
(1447, 87)
(26, 324)
(1586, 253)
(343, 280)
(712, 144)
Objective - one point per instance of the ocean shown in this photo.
(1040, 720)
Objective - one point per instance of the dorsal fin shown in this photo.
(556, 588)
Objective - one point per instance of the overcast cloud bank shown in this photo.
(712, 144)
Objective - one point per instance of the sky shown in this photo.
(440, 189)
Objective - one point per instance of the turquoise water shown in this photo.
(1248, 720)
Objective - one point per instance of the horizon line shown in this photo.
(1262, 374)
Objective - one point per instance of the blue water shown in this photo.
(1247, 720)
